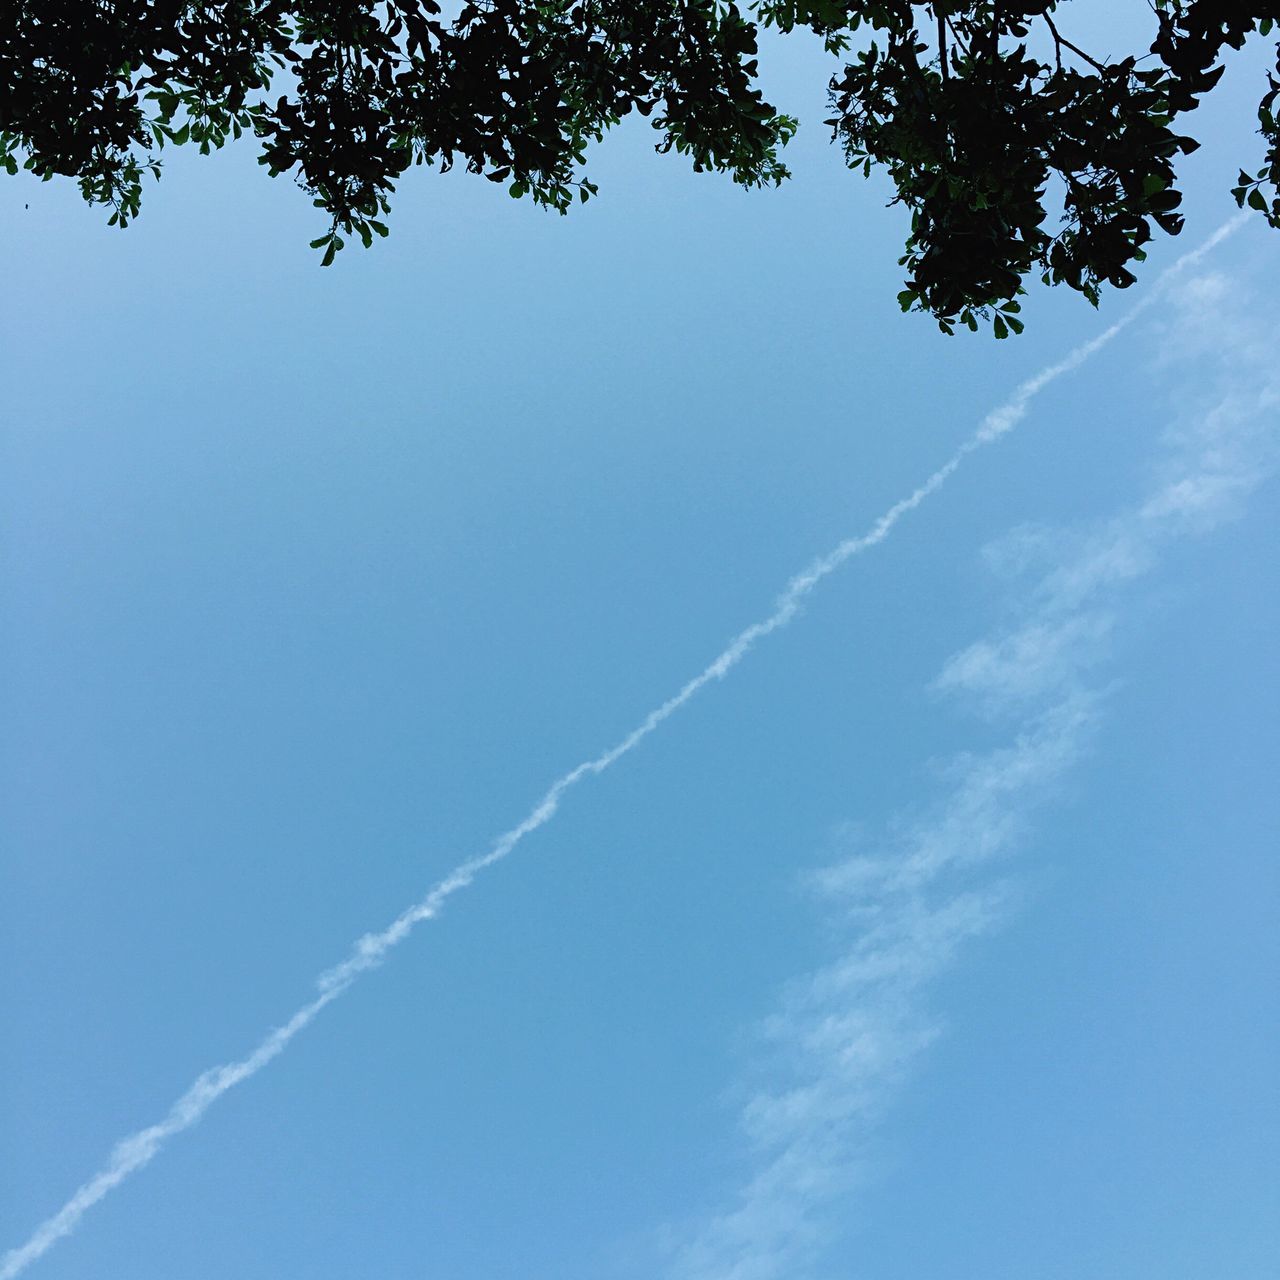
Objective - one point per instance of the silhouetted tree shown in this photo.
(981, 112)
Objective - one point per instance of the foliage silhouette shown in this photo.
(982, 113)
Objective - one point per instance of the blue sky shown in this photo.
(313, 581)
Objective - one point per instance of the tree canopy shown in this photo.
(1017, 152)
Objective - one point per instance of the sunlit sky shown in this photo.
(937, 939)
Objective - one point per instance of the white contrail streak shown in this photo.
(140, 1148)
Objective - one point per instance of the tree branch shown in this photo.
(1061, 42)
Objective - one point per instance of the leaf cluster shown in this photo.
(1017, 152)
(514, 90)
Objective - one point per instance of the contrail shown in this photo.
(138, 1150)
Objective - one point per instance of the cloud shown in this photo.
(844, 1038)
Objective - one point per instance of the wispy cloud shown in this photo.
(843, 1038)
(140, 1148)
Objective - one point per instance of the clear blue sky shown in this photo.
(312, 581)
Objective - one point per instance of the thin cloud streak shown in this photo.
(843, 1038)
(137, 1150)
